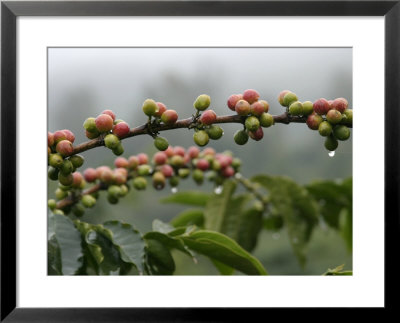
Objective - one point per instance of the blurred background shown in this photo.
(82, 82)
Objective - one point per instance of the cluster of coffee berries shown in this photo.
(330, 117)
(254, 112)
(169, 166)
(112, 129)
(205, 129)
(62, 167)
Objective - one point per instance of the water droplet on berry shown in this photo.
(174, 190)
(331, 153)
(218, 190)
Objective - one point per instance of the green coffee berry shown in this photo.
(348, 117)
(90, 125)
(289, 98)
(144, 170)
(112, 199)
(202, 102)
(149, 107)
(88, 201)
(296, 108)
(77, 160)
(119, 150)
(307, 108)
(114, 191)
(325, 128)
(158, 180)
(52, 173)
(174, 181)
(66, 168)
(241, 137)
(183, 172)
(60, 194)
(78, 210)
(331, 143)
(124, 190)
(198, 176)
(236, 163)
(111, 141)
(266, 120)
(51, 204)
(56, 160)
(215, 132)
(201, 138)
(177, 161)
(57, 211)
(161, 143)
(66, 180)
(252, 123)
(139, 183)
(341, 132)
(333, 116)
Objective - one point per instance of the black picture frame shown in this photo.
(10, 10)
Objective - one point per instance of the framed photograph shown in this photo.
(247, 186)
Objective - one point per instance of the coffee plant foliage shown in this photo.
(223, 225)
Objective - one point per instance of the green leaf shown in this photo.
(162, 227)
(231, 216)
(170, 242)
(222, 268)
(189, 217)
(194, 198)
(225, 250)
(338, 271)
(297, 207)
(346, 227)
(159, 258)
(54, 257)
(69, 242)
(129, 242)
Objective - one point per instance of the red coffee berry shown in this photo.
(265, 104)
(209, 151)
(186, 158)
(110, 113)
(282, 95)
(160, 158)
(64, 148)
(228, 172)
(257, 109)
(208, 117)
(256, 135)
(242, 108)
(107, 175)
(167, 170)
(334, 116)
(169, 151)
(178, 150)
(321, 106)
(121, 162)
(313, 121)
(193, 152)
(100, 169)
(104, 123)
(161, 109)
(121, 129)
(233, 99)
(224, 160)
(202, 164)
(251, 96)
(78, 178)
(90, 175)
(143, 158)
(119, 178)
(70, 135)
(121, 170)
(50, 139)
(169, 117)
(91, 135)
(133, 162)
(58, 136)
(340, 104)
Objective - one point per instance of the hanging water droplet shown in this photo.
(174, 190)
(331, 153)
(218, 190)
(238, 175)
(276, 236)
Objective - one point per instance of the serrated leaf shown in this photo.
(159, 258)
(129, 242)
(225, 250)
(53, 257)
(162, 227)
(231, 216)
(193, 198)
(189, 217)
(297, 207)
(69, 242)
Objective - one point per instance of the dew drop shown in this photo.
(331, 153)
(174, 190)
(238, 175)
(276, 236)
(218, 190)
